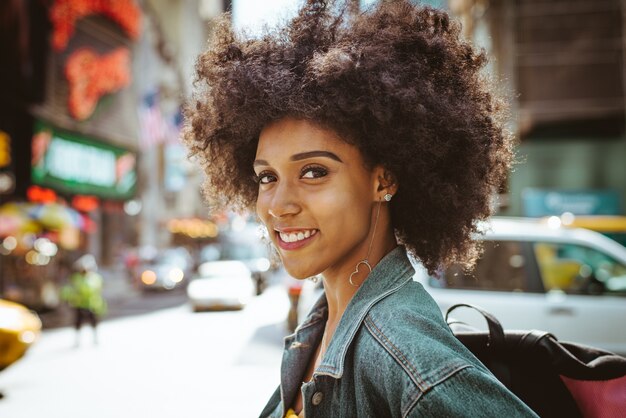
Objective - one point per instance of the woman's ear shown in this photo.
(386, 182)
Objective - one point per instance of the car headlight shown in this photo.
(28, 337)
(263, 264)
(175, 275)
(148, 277)
(10, 319)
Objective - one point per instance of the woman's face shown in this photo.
(315, 197)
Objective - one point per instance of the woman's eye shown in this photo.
(265, 178)
(313, 172)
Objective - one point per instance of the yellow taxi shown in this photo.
(612, 226)
(19, 329)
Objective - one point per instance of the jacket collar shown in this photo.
(391, 273)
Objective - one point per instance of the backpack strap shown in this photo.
(496, 334)
(531, 338)
(495, 343)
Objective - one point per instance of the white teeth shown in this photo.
(297, 236)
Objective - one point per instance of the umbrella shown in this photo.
(13, 217)
(56, 217)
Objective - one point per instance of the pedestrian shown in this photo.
(360, 138)
(84, 295)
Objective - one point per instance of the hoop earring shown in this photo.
(365, 261)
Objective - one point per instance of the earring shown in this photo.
(365, 261)
(387, 197)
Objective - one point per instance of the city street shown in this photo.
(167, 363)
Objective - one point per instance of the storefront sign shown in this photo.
(5, 149)
(74, 164)
(91, 76)
(539, 202)
(65, 13)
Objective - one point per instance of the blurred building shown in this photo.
(175, 34)
(90, 112)
(561, 65)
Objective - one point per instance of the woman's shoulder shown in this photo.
(419, 367)
(407, 332)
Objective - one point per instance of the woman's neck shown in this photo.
(339, 291)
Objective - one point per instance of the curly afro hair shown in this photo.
(396, 81)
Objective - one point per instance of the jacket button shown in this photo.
(317, 398)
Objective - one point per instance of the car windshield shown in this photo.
(171, 258)
(231, 251)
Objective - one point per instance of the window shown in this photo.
(577, 269)
(501, 267)
(569, 67)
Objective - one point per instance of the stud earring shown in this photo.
(387, 197)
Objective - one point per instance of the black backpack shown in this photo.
(554, 378)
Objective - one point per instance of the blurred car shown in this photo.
(221, 285)
(19, 329)
(167, 270)
(536, 275)
(250, 252)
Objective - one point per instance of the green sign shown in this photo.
(542, 202)
(71, 163)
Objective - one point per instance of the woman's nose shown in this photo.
(283, 202)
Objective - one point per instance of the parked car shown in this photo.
(534, 275)
(221, 285)
(168, 269)
(19, 329)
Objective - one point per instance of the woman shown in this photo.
(359, 138)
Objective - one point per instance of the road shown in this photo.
(167, 363)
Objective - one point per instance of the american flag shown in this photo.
(151, 123)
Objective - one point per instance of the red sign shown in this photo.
(85, 203)
(91, 76)
(41, 194)
(65, 13)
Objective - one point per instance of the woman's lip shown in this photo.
(293, 245)
(292, 229)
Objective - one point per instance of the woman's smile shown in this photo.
(295, 239)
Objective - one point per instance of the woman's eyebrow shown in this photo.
(303, 156)
(311, 154)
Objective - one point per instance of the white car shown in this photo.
(532, 275)
(221, 285)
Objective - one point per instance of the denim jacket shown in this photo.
(392, 355)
